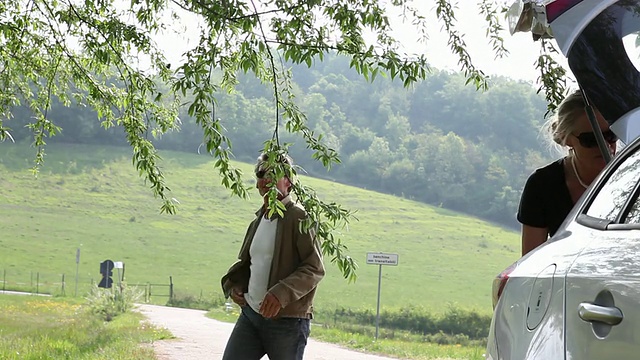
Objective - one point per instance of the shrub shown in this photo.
(456, 325)
(109, 303)
(192, 302)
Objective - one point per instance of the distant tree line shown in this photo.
(440, 142)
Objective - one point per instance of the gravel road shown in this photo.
(199, 337)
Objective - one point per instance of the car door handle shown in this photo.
(609, 315)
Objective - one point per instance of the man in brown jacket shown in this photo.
(274, 280)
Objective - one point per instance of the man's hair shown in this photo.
(263, 159)
(284, 159)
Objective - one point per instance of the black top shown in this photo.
(545, 200)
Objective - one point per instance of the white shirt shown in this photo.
(261, 253)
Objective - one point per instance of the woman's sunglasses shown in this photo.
(588, 139)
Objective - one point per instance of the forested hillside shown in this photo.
(440, 142)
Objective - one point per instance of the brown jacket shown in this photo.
(296, 268)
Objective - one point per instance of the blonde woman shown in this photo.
(551, 191)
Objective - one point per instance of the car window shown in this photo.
(633, 217)
(634, 214)
(611, 198)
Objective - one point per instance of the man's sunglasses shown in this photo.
(261, 174)
(588, 139)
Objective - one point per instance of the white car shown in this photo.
(578, 295)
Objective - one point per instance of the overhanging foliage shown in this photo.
(70, 50)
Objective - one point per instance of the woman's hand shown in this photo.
(532, 237)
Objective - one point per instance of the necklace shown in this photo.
(575, 171)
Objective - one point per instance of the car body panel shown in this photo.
(609, 263)
(628, 126)
(574, 20)
(509, 330)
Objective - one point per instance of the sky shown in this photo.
(518, 64)
(523, 50)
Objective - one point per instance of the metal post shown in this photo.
(75, 294)
(591, 116)
(119, 283)
(170, 289)
(378, 307)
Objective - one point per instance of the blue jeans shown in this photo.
(254, 336)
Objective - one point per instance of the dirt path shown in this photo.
(199, 337)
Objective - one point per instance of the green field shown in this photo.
(92, 198)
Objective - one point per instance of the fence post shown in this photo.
(170, 289)
(63, 294)
(38, 282)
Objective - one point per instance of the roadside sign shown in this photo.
(378, 258)
(382, 259)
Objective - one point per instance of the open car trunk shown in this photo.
(600, 39)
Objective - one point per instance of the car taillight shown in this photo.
(559, 7)
(500, 281)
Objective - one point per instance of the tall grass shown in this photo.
(402, 345)
(460, 323)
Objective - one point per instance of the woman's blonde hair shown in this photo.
(563, 123)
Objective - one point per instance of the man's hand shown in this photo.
(270, 306)
(238, 297)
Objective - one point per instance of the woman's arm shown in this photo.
(532, 237)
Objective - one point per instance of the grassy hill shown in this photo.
(92, 198)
